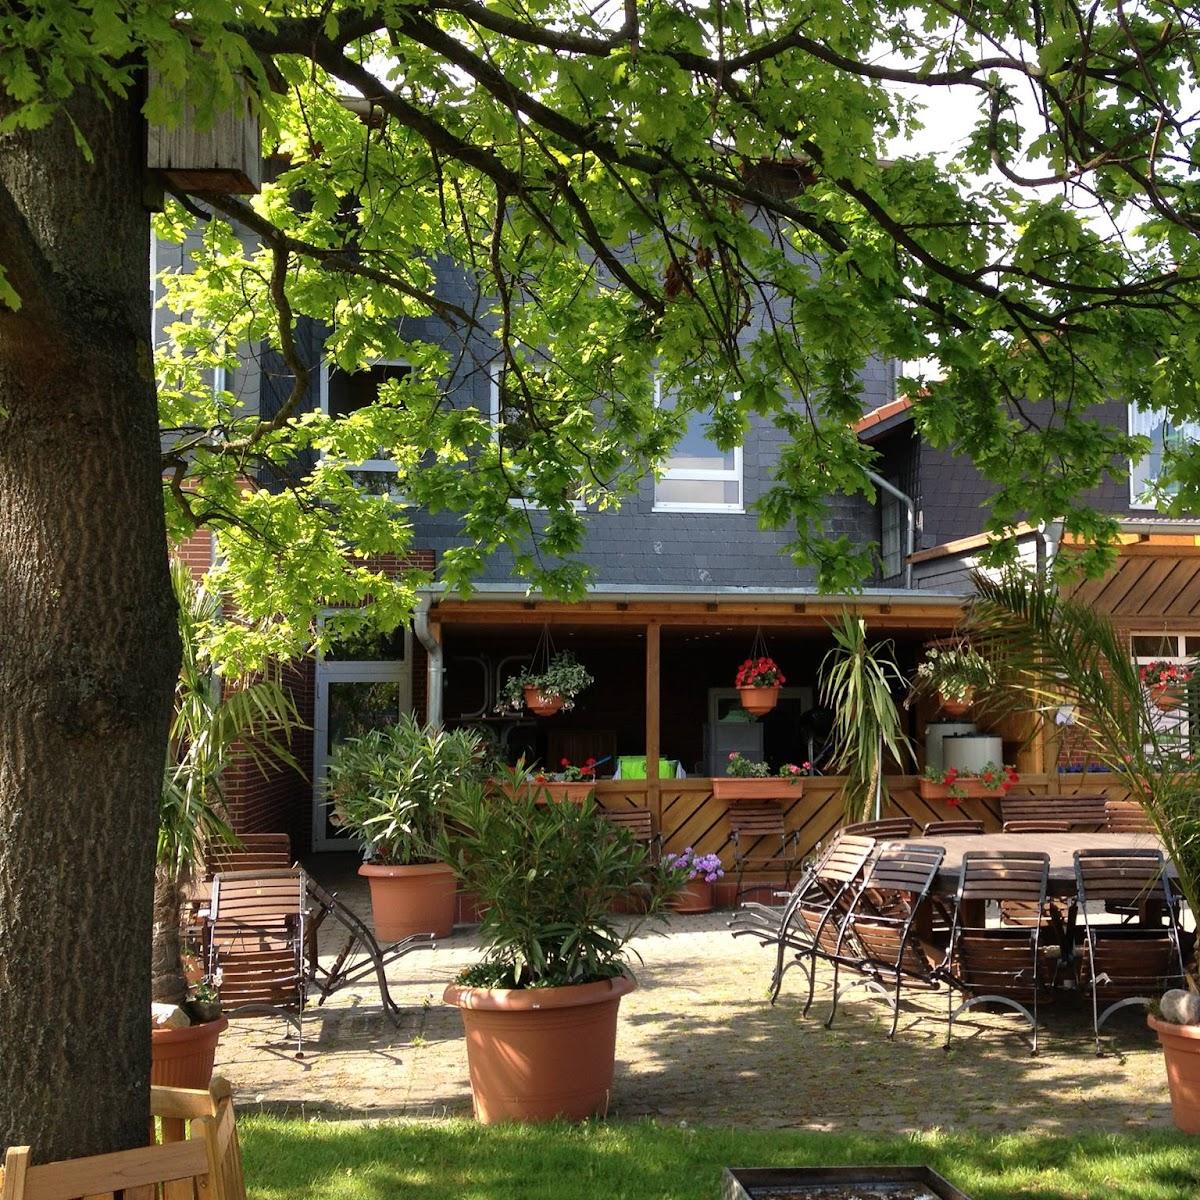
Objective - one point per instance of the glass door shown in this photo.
(363, 686)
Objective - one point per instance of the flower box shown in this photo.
(774, 787)
(964, 789)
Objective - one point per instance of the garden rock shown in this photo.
(169, 1016)
(1180, 1007)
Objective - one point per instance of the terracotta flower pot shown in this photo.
(967, 789)
(1166, 698)
(540, 704)
(957, 708)
(407, 900)
(540, 1053)
(758, 700)
(696, 896)
(184, 1057)
(774, 787)
(1181, 1049)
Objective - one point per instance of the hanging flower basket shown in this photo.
(758, 680)
(957, 707)
(539, 703)
(1166, 698)
(1167, 682)
(758, 700)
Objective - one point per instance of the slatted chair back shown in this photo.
(1036, 827)
(761, 840)
(962, 828)
(1126, 816)
(1121, 965)
(835, 882)
(1012, 967)
(890, 955)
(1083, 813)
(256, 852)
(637, 822)
(199, 1158)
(257, 940)
(888, 829)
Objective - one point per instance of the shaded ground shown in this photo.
(698, 1042)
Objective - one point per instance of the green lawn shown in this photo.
(458, 1160)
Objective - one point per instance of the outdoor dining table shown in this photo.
(1060, 847)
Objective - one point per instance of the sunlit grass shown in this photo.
(458, 1160)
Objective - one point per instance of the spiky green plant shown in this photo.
(857, 682)
(209, 722)
(1050, 652)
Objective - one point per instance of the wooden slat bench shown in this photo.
(1082, 813)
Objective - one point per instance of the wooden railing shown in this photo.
(688, 814)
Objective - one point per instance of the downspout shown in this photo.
(433, 669)
(911, 531)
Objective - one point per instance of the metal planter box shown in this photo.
(837, 1183)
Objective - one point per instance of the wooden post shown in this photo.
(653, 707)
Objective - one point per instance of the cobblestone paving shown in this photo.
(698, 1042)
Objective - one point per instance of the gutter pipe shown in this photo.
(434, 672)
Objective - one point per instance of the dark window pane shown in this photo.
(1155, 645)
(348, 392)
(369, 646)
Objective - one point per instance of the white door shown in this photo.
(359, 688)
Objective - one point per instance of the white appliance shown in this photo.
(971, 752)
(934, 735)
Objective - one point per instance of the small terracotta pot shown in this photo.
(1181, 1049)
(957, 708)
(184, 1057)
(540, 1053)
(758, 700)
(408, 900)
(696, 896)
(774, 787)
(540, 704)
(1165, 697)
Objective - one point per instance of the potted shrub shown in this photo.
(391, 789)
(700, 872)
(748, 780)
(1166, 683)
(952, 786)
(954, 674)
(758, 681)
(547, 691)
(209, 721)
(1177, 1024)
(540, 1009)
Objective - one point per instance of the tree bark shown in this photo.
(88, 640)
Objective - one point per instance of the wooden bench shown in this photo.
(1082, 813)
(1126, 816)
(198, 1158)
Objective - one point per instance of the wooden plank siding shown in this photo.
(688, 814)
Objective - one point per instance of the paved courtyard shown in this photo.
(698, 1042)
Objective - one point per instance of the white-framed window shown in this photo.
(508, 422)
(1162, 432)
(1179, 649)
(892, 526)
(699, 476)
(344, 392)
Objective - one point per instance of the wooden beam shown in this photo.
(653, 713)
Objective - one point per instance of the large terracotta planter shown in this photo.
(408, 900)
(696, 896)
(758, 700)
(184, 1057)
(1181, 1049)
(541, 1053)
(774, 787)
(540, 704)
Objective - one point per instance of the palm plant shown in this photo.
(857, 681)
(209, 722)
(1050, 652)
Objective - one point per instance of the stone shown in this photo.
(168, 1016)
(1180, 1007)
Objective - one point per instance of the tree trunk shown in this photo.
(88, 640)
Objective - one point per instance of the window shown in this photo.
(346, 392)
(892, 524)
(1155, 425)
(1181, 649)
(699, 475)
(510, 425)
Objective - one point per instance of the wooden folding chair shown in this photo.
(1123, 965)
(962, 828)
(256, 943)
(755, 830)
(1126, 816)
(1011, 967)
(879, 943)
(887, 829)
(639, 824)
(199, 1158)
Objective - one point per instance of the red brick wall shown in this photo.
(196, 552)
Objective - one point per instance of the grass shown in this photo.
(459, 1160)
